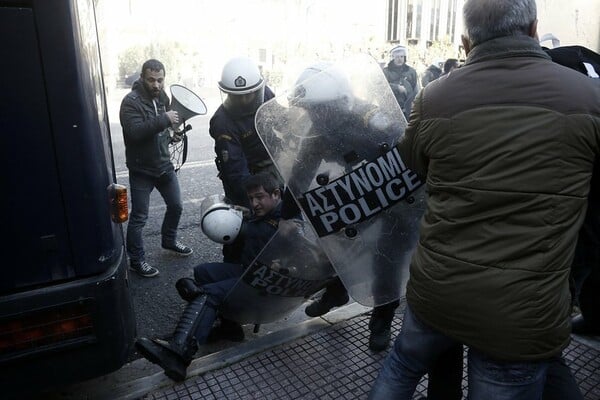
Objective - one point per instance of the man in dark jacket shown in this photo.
(507, 145)
(146, 118)
(402, 78)
(213, 281)
(431, 74)
(586, 269)
(585, 273)
(449, 65)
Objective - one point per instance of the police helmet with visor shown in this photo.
(221, 223)
(399, 51)
(323, 90)
(242, 86)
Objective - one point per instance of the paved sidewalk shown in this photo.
(320, 359)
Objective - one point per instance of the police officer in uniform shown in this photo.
(336, 114)
(402, 79)
(239, 150)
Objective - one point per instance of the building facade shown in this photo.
(422, 23)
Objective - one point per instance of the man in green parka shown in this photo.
(506, 144)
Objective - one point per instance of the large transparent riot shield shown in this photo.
(290, 269)
(333, 140)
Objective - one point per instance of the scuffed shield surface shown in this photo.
(291, 268)
(340, 162)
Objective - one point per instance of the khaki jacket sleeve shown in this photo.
(411, 146)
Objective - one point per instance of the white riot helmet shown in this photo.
(242, 86)
(220, 222)
(323, 85)
(399, 51)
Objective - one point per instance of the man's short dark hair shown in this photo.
(153, 65)
(449, 64)
(264, 179)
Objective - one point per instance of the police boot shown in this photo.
(188, 289)
(380, 326)
(335, 295)
(174, 355)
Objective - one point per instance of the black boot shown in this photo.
(335, 295)
(188, 289)
(380, 326)
(175, 355)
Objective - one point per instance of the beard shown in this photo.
(154, 92)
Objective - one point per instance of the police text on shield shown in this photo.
(360, 194)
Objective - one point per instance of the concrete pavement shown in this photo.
(301, 358)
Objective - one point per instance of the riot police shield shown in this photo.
(333, 137)
(290, 269)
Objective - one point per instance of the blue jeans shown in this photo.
(141, 186)
(418, 347)
(560, 382)
(216, 279)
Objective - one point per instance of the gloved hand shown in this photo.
(245, 211)
(177, 137)
(400, 88)
(379, 122)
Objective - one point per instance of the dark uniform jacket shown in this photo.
(239, 150)
(585, 271)
(586, 264)
(350, 139)
(405, 76)
(507, 144)
(253, 237)
(145, 131)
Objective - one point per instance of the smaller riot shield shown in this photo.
(333, 138)
(290, 269)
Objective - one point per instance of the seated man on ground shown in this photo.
(213, 281)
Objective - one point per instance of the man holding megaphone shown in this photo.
(146, 117)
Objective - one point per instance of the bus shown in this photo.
(66, 314)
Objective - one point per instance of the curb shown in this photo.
(140, 377)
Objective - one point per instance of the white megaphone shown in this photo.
(187, 103)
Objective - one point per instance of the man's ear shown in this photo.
(466, 44)
(277, 192)
(533, 30)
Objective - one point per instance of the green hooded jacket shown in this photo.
(507, 144)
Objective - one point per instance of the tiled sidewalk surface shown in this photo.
(334, 363)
